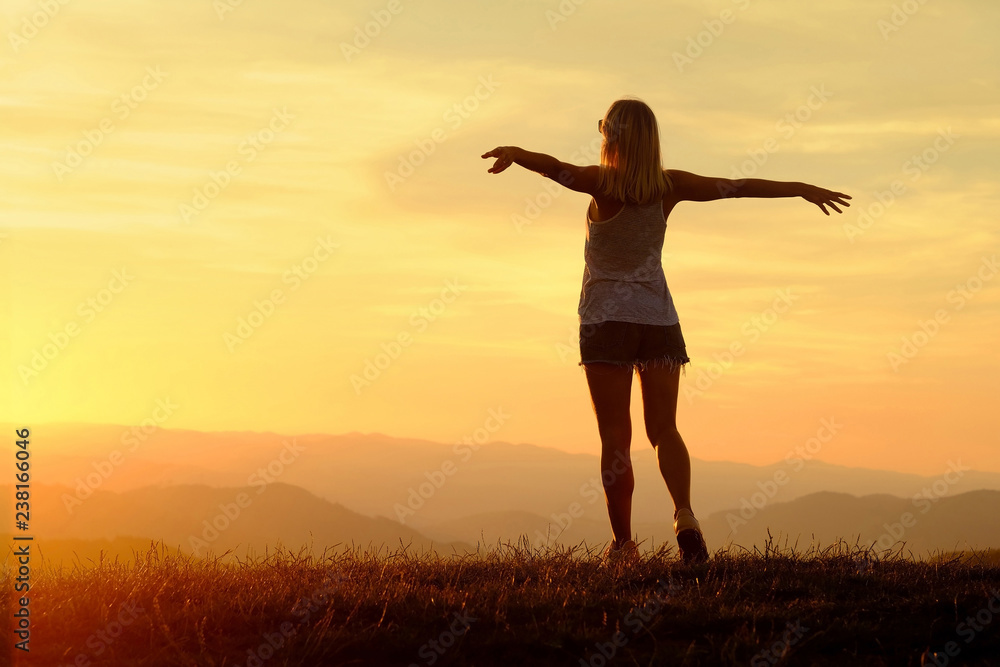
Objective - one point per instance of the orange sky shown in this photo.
(239, 210)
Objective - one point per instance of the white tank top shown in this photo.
(623, 276)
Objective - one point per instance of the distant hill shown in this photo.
(954, 523)
(405, 478)
(489, 528)
(199, 519)
(961, 522)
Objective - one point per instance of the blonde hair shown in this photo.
(631, 166)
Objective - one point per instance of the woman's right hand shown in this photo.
(824, 198)
(504, 156)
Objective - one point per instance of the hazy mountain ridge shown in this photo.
(464, 493)
(199, 519)
(964, 521)
(499, 476)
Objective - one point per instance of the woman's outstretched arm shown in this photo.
(581, 179)
(692, 187)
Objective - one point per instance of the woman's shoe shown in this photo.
(627, 553)
(690, 541)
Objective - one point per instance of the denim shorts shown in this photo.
(628, 344)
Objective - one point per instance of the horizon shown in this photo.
(806, 458)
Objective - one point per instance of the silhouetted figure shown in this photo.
(627, 317)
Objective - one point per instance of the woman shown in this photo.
(627, 317)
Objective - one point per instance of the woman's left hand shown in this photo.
(823, 198)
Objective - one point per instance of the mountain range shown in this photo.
(109, 482)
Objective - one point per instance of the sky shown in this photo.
(274, 217)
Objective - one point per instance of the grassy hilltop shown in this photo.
(513, 605)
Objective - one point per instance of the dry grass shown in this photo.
(514, 605)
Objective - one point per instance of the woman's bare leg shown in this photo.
(659, 406)
(611, 391)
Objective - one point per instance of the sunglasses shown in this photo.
(600, 126)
